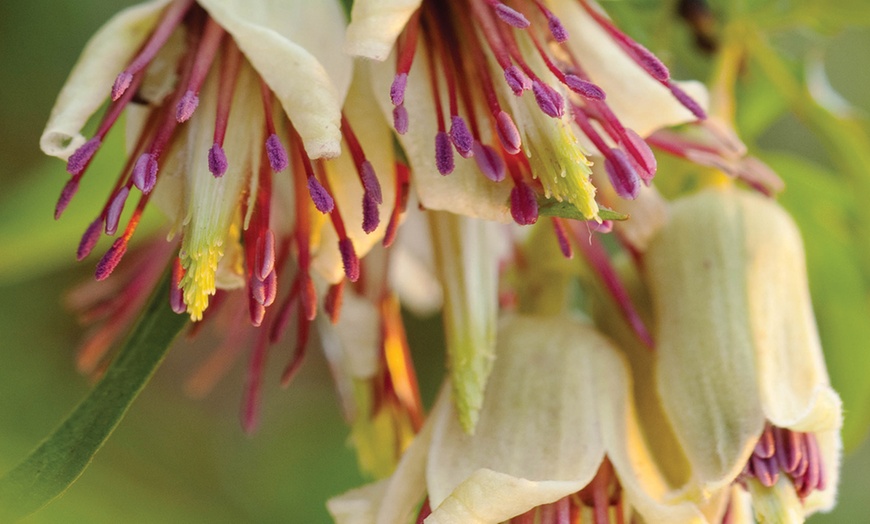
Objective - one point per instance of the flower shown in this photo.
(554, 79)
(557, 435)
(740, 370)
(199, 82)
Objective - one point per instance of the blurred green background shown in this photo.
(175, 459)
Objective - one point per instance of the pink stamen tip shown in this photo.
(606, 226)
(397, 89)
(176, 293)
(276, 153)
(517, 80)
(264, 291)
(400, 119)
(89, 239)
(443, 153)
(111, 259)
(122, 82)
(257, 313)
(461, 137)
(641, 154)
(308, 297)
(524, 205)
(66, 194)
(562, 239)
(490, 163)
(349, 259)
(322, 199)
(511, 16)
(623, 177)
(371, 185)
(556, 28)
(650, 63)
(687, 101)
(186, 106)
(334, 299)
(145, 173)
(371, 214)
(548, 99)
(113, 213)
(217, 161)
(508, 134)
(265, 259)
(82, 156)
(583, 88)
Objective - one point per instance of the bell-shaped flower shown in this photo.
(527, 91)
(557, 438)
(741, 372)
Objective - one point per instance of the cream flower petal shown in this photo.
(375, 25)
(531, 426)
(466, 190)
(358, 506)
(294, 55)
(641, 102)
(706, 370)
(831, 447)
(90, 81)
(376, 139)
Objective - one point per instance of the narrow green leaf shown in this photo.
(564, 209)
(53, 466)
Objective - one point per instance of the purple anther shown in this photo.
(122, 82)
(583, 88)
(511, 16)
(145, 173)
(186, 106)
(605, 226)
(766, 445)
(556, 28)
(548, 99)
(217, 161)
(461, 137)
(82, 156)
(490, 163)
(650, 63)
(371, 214)
(642, 156)
(264, 291)
(320, 196)
(443, 153)
(349, 259)
(623, 177)
(66, 194)
(517, 80)
(176, 299)
(400, 119)
(276, 153)
(265, 259)
(765, 470)
(111, 259)
(397, 89)
(257, 312)
(562, 239)
(113, 213)
(370, 183)
(89, 239)
(687, 101)
(524, 205)
(508, 134)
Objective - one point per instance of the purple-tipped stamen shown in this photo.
(277, 154)
(524, 204)
(650, 62)
(320, 196)
(508, 134)
(511, 16)
(264, 291)
(583, 88)
(397, 89)
(82, 156)
(89, 239)
(489, 161)
(556, 28)
(217, 161)
(623, 177)
(186, 106)
(641, 155)
(111, 259)
(517, 80)
(687, 101)
(400, 119)
(66, 194)
(113, 213)
(461, 137)
(443, 153)
(370, 183)
(371, 214)
(122, 82)
(548, 99)
(349, 259)
(265, 259)
(145, 173)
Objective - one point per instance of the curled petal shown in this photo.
(375, 25)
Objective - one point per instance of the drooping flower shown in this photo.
(557, 437)
(554, 80)
(741, 372)
(238, 175)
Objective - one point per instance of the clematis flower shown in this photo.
(741, 372)
(231, 109)
(527, 91)
(557, 438)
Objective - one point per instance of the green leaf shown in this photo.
(565, 209)
(53, 466)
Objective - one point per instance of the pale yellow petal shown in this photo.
(358, 506)
(292, 45)
(831, 447)
(107, 53)
(375, 25)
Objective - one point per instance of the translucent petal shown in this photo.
(641, 102)
(291, 45)
(375, 25)
(358, 506)
(107, 53)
